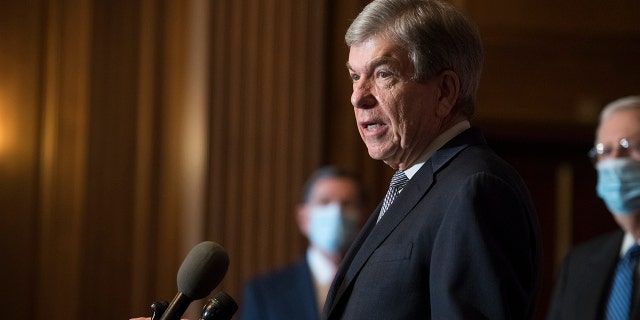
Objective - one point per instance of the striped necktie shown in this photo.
(619, 303)
(398, 181)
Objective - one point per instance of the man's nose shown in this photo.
(362, 96)
(619, 152)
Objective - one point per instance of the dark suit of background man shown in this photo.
(330, 215)
(587, 274)
(460, 241)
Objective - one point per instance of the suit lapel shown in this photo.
(303, 280)
(600, 266)
(339, 284)
(374, 234)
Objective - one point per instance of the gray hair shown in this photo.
(625, 103)
(437, 36)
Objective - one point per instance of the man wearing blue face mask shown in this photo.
(597, 278)
(330, 215)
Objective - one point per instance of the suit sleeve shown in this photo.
(485, 256)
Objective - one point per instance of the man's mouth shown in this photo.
(372, 126)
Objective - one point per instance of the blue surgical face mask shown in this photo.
(331, 229)
(619, 185)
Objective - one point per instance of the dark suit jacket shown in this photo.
(286, 294)
(459, 242)
(583, 283)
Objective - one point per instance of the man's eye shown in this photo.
(355, 77)
(384, 74)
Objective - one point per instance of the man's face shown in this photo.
(623, 124)
(342, 191)
(396, 115)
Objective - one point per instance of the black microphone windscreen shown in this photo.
(202, 270)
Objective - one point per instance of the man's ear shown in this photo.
(449, 89)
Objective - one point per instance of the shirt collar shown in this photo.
(627, 242)
(437, 143)
(322, 269)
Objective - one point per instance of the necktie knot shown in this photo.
(632, 254)
(398, 181)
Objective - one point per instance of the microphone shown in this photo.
(200, 272)
(220, 307)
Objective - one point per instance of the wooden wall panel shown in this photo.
(63, 158)
(155, 125)
(144, 222)
(21, 26)
(574, 17)
(266, 114)
(555, 79)
(556, 62)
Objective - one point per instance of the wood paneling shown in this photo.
(130, 131)
(63, 141)
(21, 31)
(266, 118)
(555, 78)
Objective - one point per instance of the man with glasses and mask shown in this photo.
(596, 280)
(330, 215)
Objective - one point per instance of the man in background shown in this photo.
(596, 280)
(330, 215)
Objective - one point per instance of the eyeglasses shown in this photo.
(603, 151)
